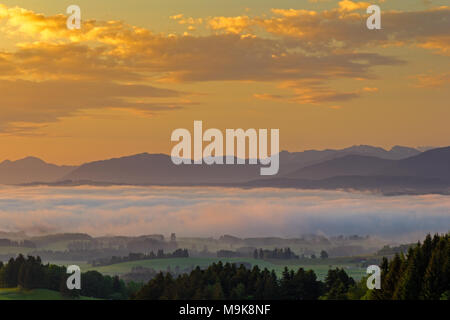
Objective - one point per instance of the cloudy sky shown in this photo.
(138, 69)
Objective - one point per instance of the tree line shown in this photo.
(424, 273)
(228, 281)
(30, 273)
(179, 253)
(274, 254)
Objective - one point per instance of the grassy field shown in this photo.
(163, 264)
(321, 270)
(320, 267)
(82, 264)
(351, 265)
(36, 294)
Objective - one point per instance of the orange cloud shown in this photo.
(368, 89)
(347, 5)
(341, 28)
(190, 22)
(304, 47)
(313, 92)
(432, 80)
(230, 24)
(267, 96)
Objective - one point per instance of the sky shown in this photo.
(200, 211)
(137, 70)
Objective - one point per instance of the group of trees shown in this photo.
(147, 244)
(30, 273)
(140, 274)
(388, 250)
(337, 285)
(424, 273)
(179, 253)
(218, 281)
(230, 254)
(284, 254)
(275, 254)
(227, 281)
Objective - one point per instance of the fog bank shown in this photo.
(199, 211)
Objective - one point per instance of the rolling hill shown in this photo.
(31, 169)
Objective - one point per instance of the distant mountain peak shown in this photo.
(31, 159)
(145, 168)
(425, 148)
(30, 169)
(26, 160)
(397, 147)
(364, 147)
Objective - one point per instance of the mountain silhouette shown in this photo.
(428, 172)
(31, 169)
(350, 165)
(433, 163)
(429, 164)
(291, 162)
(158, 169)
(357, 167)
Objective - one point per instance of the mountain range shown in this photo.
(399, 169)
(427, 172)
(31, 169)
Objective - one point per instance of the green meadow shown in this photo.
(35, 294)
(320, 267)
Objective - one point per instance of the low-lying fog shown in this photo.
(199, 211)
